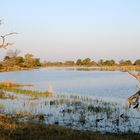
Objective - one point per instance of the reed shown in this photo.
(12, 84)
(26, 91)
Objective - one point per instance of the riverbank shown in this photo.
(100, 68)
(12, 130)
(79, 68)
(14, 68)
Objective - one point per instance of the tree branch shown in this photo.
(134, 75)
(5, 45)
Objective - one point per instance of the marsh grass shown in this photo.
(12, 84)
(76, 112)
(26, 91)
(10, 129)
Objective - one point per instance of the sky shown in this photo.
(59, 30)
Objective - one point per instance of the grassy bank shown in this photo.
(12, 130)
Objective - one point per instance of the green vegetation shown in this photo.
(12, 61)
(26, 92)
(90, 62)
(137, 62)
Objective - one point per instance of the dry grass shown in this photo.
(12, 84)
(12, 130)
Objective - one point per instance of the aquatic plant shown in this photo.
(26, 91)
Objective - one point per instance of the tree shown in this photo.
(36, 62)
(101, 61)
(3, 43)
(3, 37)
(79, 62)
(125, 62)
(30, 61)
(86, 61)
(137, 62)
(109, 63)
(11, 59)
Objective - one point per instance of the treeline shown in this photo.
(14, 60)
(90, 62)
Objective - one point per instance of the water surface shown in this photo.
(113, 85)
(84, 100)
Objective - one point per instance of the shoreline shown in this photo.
(80, 68)
(11, 129)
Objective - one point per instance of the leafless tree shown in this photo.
(136, 76)
(132, 99)
(5, 44)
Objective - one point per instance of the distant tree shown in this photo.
(79, 62)
(69, 62)
(125, 62)
(112, 62)
(30, 61)
(109, 63)
(36, 62)
(101, 62)
(12, 58)
(6, 58)
(137, 62)
(19, 60)
(86, 61)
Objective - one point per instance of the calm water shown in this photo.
(102, 84)
(85, 100)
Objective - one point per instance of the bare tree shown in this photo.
(5, 44)
(132, 99)
(136, 76)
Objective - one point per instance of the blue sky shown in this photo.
(71, 29)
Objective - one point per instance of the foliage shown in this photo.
(13, 59)
(79, 62)
(125, 62)
(137, 62)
